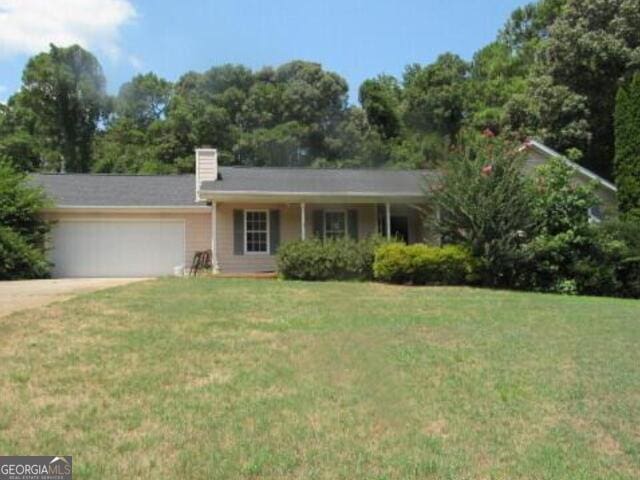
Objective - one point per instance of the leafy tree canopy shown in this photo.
(552, 72)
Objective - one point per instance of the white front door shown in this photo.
(103, 248)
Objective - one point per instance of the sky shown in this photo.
(358, 39)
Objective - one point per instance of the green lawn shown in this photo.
(180, 378)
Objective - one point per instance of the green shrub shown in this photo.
(342, 259)
(421, 264)
(628, 274)
(23, 231)
(19, 259)
(628, 269)
(594, 260)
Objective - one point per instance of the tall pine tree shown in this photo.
(627, 158)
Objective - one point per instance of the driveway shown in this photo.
(22, 294)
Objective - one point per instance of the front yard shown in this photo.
(203, 378)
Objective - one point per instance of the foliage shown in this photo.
(380, 98)
(144, 99)
(584, 257)
(277, 146)
(434, 95)
(552, 72)
(483, 201)
(22, 229)
(550, 112)
(567, 250)
(421, 264)
(627, 159)
(340, 259)
(496, 75)
(19, 259)
(559, 203)
(593, 44)
(628, 274)
(64, 91)
(529, 25)
(625, 230)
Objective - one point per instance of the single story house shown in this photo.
(149, 225)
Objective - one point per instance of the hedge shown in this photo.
(317, 260)
(421, 264)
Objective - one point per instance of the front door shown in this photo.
(400, 228)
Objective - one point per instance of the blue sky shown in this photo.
(356, 38)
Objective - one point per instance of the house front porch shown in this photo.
(247, 235)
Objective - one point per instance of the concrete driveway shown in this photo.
(22, 294)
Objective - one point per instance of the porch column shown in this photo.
(387, 212)
(214, 240)
(303, 221)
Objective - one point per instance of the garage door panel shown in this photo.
(116, 248)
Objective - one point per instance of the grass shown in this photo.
(237, 378)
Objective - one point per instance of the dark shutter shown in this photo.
(238, 232)
(318, 224)
(352, 224)
(274, 231)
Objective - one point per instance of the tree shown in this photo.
(281, 146)
(528, 27)
(496, 75)
(551, 112)
(434, 95)
(592, 45)
(20, 144)
(65, 91)
(144, 99)
(311, 95)
(380, 98)
(122, 148)
(22, 228)
(627, 159)
(484, 203)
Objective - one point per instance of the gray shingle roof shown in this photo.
(307, 180)
(119, 190)
(87, 190)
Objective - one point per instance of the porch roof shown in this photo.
(254, 183)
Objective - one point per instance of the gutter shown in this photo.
(127, 209)
(311, 197)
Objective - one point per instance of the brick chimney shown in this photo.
(206, 167)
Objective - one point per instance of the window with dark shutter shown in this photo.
(256, 227)
(238, 232)
(274, 231)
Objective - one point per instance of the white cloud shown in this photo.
(136, 62)
(3, 90)
(29, 26)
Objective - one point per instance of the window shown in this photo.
(335, 224)
(256, 227)
(595, 215)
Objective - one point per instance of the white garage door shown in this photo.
(117, 249)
